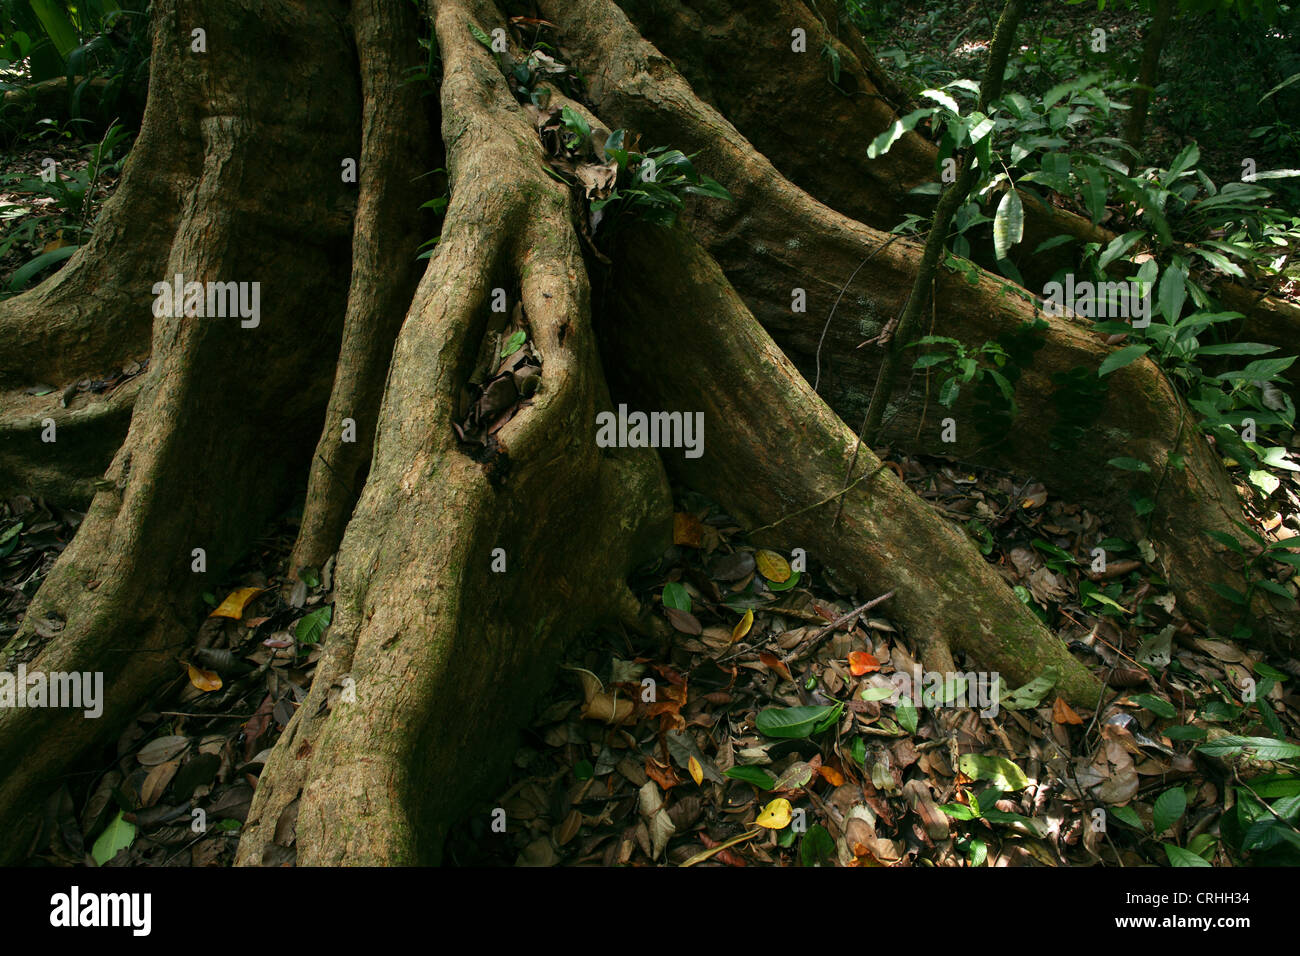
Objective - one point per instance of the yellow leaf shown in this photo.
(742, 626)
(235, 602)
(772, 566)
(204, 680)
(697, 772)
(776, 815)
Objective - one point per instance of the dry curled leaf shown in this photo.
(235, 602)
(688, 530)
(1063, 713)
(204, 680)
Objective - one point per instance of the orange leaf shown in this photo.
(860, 662)
(775, 663)
(661, 775)
(1063, 713)
(742, 626)
(697, 772)
(204, 680)
(831, 776)
(235, 602)
(687, 530)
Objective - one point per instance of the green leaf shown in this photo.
(958, 811)
(1008, 223)
(514, 343)
(1031, 694)
(311, 626)
(1121, 357)
(1168, 809)
(1185, 732)
(117, 836)
(1261, 748)
(818, 846)
(1094, 192)
(1000, 771)
(1157, 705)
(905, 714)
(1236, 348)
(793, 722)
(1259, 370)
(1180, 857)
(1129, 464)
(43, 261)
(1129, 816)
(882, 143)
(481, 36)
(785, 585)
(1173, 290)
(942, 98)
(876, 693)
(1117, 247)
(1185, 160)
(754, 775)
(676, 596)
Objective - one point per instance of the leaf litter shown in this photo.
(773, 735)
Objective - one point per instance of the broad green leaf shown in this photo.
(43, 261)
(1121, 357)
(1180, 857)
(676, 596)
(1031, 694)
(1008, 223)
(1173, 290)
(755, 775)
(311, 626)
(1127, 815)
(942, 98)
(1117, 247)
(882, 143)
(1157, 705)
(999, 771)
(818, 846)
(792, 722)
(117, 836)
(1168, 809)
(1261, 748)
(905, 714)
(1129, 464)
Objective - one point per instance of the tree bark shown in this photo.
(435, 655)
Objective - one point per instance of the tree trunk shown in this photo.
(437, 652)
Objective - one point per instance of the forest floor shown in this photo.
(775, 726)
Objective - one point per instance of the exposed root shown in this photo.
(773, 445)
(124, 593)
(776, 240)
(426, 636)
(396, 146)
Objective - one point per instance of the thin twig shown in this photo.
(834, 625)
(818, 504)
(825, 328)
